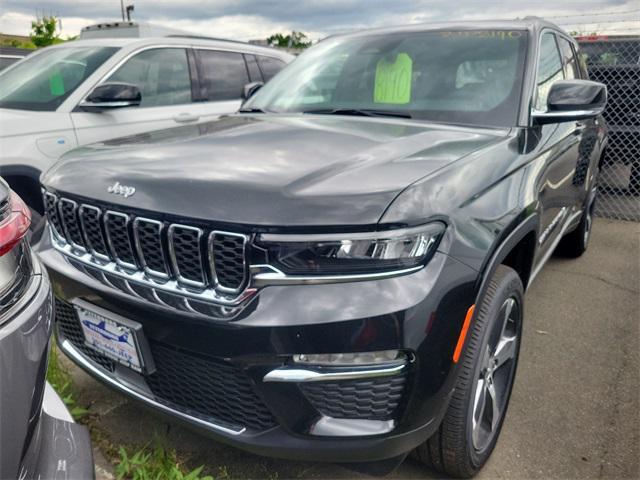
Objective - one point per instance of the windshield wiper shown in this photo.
(251, 110)
(359, 112)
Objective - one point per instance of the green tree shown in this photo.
(292, 40)
(44, 31)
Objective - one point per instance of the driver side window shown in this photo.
(161, 74)
(549, 70)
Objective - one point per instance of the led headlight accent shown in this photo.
(351, 359)
(354, 253)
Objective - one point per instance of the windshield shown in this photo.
(466, 77)
(44, 80)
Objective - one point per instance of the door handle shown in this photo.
(185, 118)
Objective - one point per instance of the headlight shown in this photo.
(352, 254)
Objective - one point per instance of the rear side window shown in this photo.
(549, 70)
(254, 70)
(222, 75)
(161, 74)
(568, 59)
(270, 66)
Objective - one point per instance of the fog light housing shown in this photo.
(381, 357)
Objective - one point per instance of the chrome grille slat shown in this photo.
(116, 226)
(91, 221)
(51, 209)
(68, 211)
(185, 252)
(173, 265)
(148, 242)
(227, 260)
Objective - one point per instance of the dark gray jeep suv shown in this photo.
(336, 272)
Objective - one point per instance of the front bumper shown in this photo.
(211, 373)
(38, 438)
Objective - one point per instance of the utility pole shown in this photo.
(122, 9)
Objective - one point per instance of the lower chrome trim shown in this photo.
(76, 356)
(344, 427)
(265, 275)
(328, 374)
(552, 247)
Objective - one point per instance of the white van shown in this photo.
(93, 90)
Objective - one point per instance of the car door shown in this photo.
(222, 75)
(585, 130)
(558, 147)
(164, 77)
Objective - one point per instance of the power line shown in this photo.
(613, 30)
(603, 21)
(599, 14)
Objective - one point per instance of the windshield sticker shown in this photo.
(393, 80)
(501, 34)
(56, 85)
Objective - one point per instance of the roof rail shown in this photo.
(204, 37)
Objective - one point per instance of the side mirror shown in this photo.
(250, 89)
(572, 100)
(112, 95)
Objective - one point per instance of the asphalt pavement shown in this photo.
(574, 410)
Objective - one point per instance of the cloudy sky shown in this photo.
(254, 19)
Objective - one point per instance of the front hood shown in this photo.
(268, 169)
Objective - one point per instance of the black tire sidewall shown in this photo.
(507, 284)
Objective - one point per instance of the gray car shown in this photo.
(38, 437)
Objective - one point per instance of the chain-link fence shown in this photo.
(615, 61)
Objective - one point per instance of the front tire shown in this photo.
(472, 423)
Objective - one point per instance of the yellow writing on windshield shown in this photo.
(393, 80)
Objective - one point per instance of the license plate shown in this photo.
(111, 335)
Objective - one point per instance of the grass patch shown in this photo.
(60, 380)
(146, 463)
(154, 464)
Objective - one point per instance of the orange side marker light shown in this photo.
(463, 334)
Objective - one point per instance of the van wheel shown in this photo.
(471, 426)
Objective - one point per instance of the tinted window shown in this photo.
(470, 77)
(568, 59)
(44, 80)
(223, 74)
(549, 70)
(252, 66)
(270, 66)
(161, 74)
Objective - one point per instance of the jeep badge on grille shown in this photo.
(118, 189)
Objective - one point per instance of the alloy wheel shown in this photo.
(496, 375)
